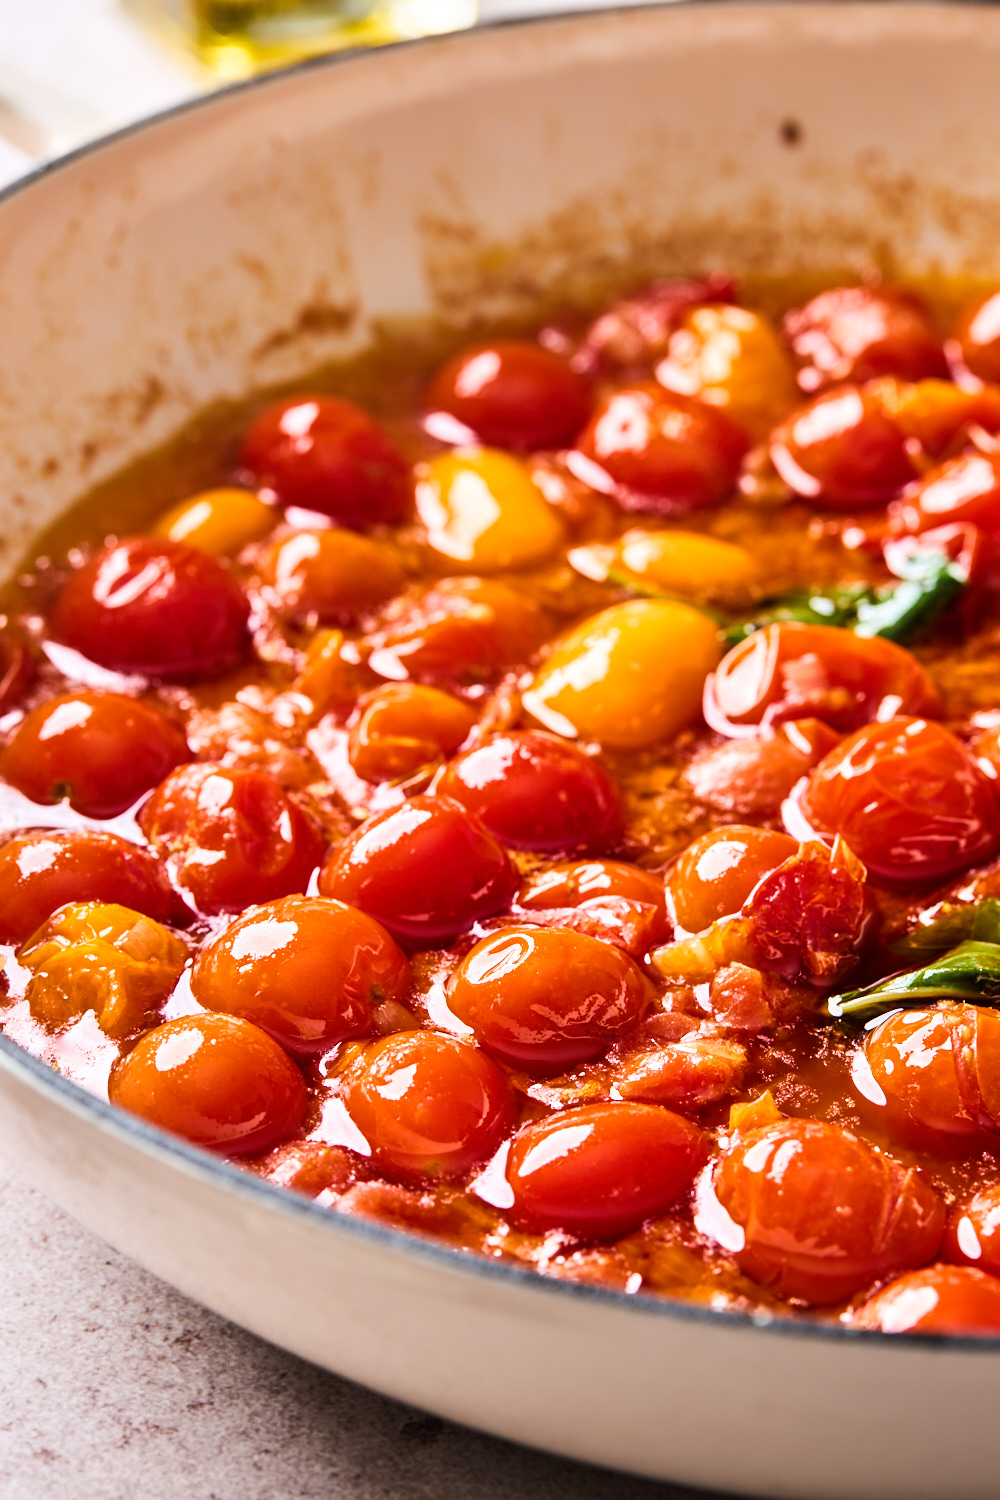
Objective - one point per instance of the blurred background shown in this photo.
(71, 70)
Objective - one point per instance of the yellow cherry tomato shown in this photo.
(733, 358)
(482, 508)
(685, 562)
(630, 676)
(221, 522)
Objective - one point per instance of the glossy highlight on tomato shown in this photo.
(966, 488)
(843, 450)
(859, 332)
(715, 874)
(512, 394)
(154, 607)
(217, 1081)
(972, 1237)
(939, 1299)
(39, 872)
(568, 883)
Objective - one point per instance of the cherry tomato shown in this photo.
(938, 1299)
(426, 870)
(752, 777)
(231, 837)
(736, 359)
(937, 413)
(821, 1215)
(330, 575)
(655, 450)
(402, 727)
(842, 450)
(636, 330)
(547, 999)
(932, 1077)
(460, 629)
(327, 455)
(791, 671)
(977, 334)
(962, 489)
(715, 874)
(40, 872)
(534, 791)
(512, 394)
(859, 332)
(99, 750)
(430, 1107)
(909, 799)
(156, 607)
(599, 1170)
(309, 972)
(810, 918)
(972, 1237)
(572, 882)
(216, 1081)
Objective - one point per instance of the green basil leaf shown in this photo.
(969, 972)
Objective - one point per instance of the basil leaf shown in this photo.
(946, 925)
(969, 972)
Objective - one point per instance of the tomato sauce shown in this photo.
(539, 791)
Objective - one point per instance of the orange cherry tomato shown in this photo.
(426, 870)
(972, 1237)
(938, 1299)
(100, 751)
(547, 999)
(752, 777)
(512, 394)
(327, 455)
(909, 799)
(791, 671)
(977, 334)
(404, 726)
(571, 882)
(932, 1077)
(330, 576)
(308, 971)
(231, 837)
(599, 1170)
(966, 488)
(216, 1081)
(431, 1107)
(39, 872)
(533, 790)
(155, 607)
(859, 332)
(715, 874)
(635, 331)
(842, 450)
(461, 629)
(655, 450)
(822, 1215)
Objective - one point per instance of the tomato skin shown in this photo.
(908, 798)
(327, 455)
(308, 971)
(459, 629)
(966, 488)
(426, 870)
(155, 607)
(99, 750)
(533, 790)
(231, 837)
(403, 726)
(790, 671)
(571, 882)
(937, 1077)
(599, 1170)
(860, 332)
(661, 452)
(752, 777)
(715, 874)
(822, 1214)
(217, 1081)
(431, 1107)
(842, 450)
(977, 334)
(512, 394)
(40, 872)
(972, 1237)
(938, 1299)
(546, 999)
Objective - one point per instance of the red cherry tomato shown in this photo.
(636, 330)
(932, 1077)
(972, 1237)
(39, 872)
(547, 999)
(938, 1299)
(156, 607)
(962, 489)
(426, 870)
(535, 791)
(327, 455)
(430, 1107)
(752, 777)
(307, 971)
(230, 837)
(99, 750)
(909, 799)
(859, 332)
(462, 629)
(842, 450)
(715, 874)
(572, 882)
(598, 1171)
(822, 1215)
(655, 450)
(977, 334)
(512, 394)
(793, 671)
(214, 1080)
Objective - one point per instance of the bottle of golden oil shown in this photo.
(235, 38)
